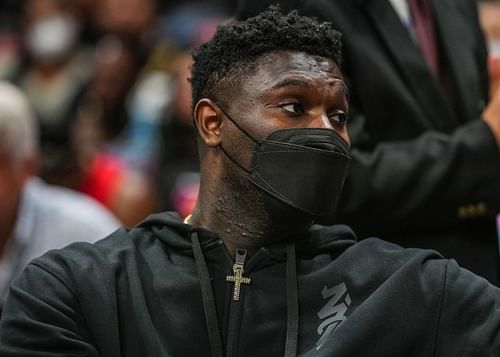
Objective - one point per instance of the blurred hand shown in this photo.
(491, 114)
(494, 73)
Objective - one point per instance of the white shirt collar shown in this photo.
(403, 11)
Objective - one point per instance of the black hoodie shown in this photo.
(151, 291)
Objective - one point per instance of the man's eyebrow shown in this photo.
(344, 89)
(294, 82)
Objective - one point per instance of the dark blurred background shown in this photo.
(108, 81)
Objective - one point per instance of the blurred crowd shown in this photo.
(107, 81)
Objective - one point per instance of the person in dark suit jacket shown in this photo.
(426, 163)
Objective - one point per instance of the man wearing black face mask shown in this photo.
(314, 156)
(249, 274)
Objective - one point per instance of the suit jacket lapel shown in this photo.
(411, 63)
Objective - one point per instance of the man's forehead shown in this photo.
(283, 62)
(277, 68)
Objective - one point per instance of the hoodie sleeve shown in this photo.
(42, 318)
(469, 323)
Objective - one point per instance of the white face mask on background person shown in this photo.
(50, 39)
(494, 47)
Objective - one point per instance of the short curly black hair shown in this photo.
(230, 55)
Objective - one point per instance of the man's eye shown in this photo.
(339, 117)
(294, 108)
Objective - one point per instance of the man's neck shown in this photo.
(239, 218)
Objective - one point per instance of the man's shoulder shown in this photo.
(341, 237)
(369, 256)
(385, 251)
(384, 260)
(68, 210)
(388, 248)
(84, 259)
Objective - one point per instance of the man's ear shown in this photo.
(208, 119)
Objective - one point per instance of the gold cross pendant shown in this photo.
(237, 278)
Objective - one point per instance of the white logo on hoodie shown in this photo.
(333, 313)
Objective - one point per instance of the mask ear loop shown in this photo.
(233, 160)
(236, 124)
(243, 131)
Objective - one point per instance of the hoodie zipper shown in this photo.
(237, 279)
(236, 302)
(235, 307)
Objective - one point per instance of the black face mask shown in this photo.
(300, 172)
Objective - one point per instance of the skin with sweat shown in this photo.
(288, 89)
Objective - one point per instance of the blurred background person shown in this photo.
(131, 138)
(179, 169)
(183, 28)
(131, 20)
(10, 39)
(424, 127)
(108, 82)
(55, 70)
(99, 137)
(34, 216)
